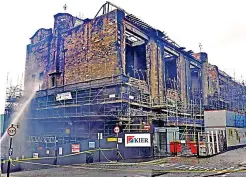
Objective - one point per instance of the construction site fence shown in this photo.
(164, 143)
(199, 144)
(29, 158)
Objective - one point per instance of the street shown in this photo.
(228, 164)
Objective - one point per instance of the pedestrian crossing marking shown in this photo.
(195, 168)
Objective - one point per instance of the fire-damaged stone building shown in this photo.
(114, 69)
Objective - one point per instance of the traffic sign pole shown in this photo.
(11, 133)
(117, 147)
(117, 130)
(99, 137)
(99, 146)
(10, 147)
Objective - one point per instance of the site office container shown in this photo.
(218, 118)
(223, 118)
(234, 124)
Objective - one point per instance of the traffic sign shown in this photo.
(147, 127)
(10, 151)
(11, 131)
(99, 136)
(116, 129)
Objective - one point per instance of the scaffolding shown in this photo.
(13, 97)
(231, 96)
(98, 105)
(103, 102)
(118, 100)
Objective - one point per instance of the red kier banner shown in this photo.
(75, 148)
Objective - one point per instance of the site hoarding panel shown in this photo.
(138, 140)
(235, 136)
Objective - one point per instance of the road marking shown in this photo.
(182, 166)
(186, 167)
(192, 168)
(198, 168)
(171, 165)
(167, 165)
(164, 165)
(225, 175)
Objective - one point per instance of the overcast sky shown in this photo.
(220, 25)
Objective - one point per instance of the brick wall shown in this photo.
(37, 62)
(154, 68)
(179, 63)
(197, 56)
(63, 22)
(213, 80)
(122, 30)
(205, 82)
(183, 77)
(92, 50)
(40, 35)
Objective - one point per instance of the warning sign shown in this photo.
(112, 139)
(75, 148)
(11, 131)
(35, 155)
(116, 129)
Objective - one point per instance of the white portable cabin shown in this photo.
(229, 122)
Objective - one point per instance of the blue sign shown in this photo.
(239, 120)
(92, 144)
(244, 121)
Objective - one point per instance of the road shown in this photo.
(228, 164)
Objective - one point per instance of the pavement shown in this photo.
(228, 164)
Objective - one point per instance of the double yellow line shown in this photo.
(88, 167)
(67, 155)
